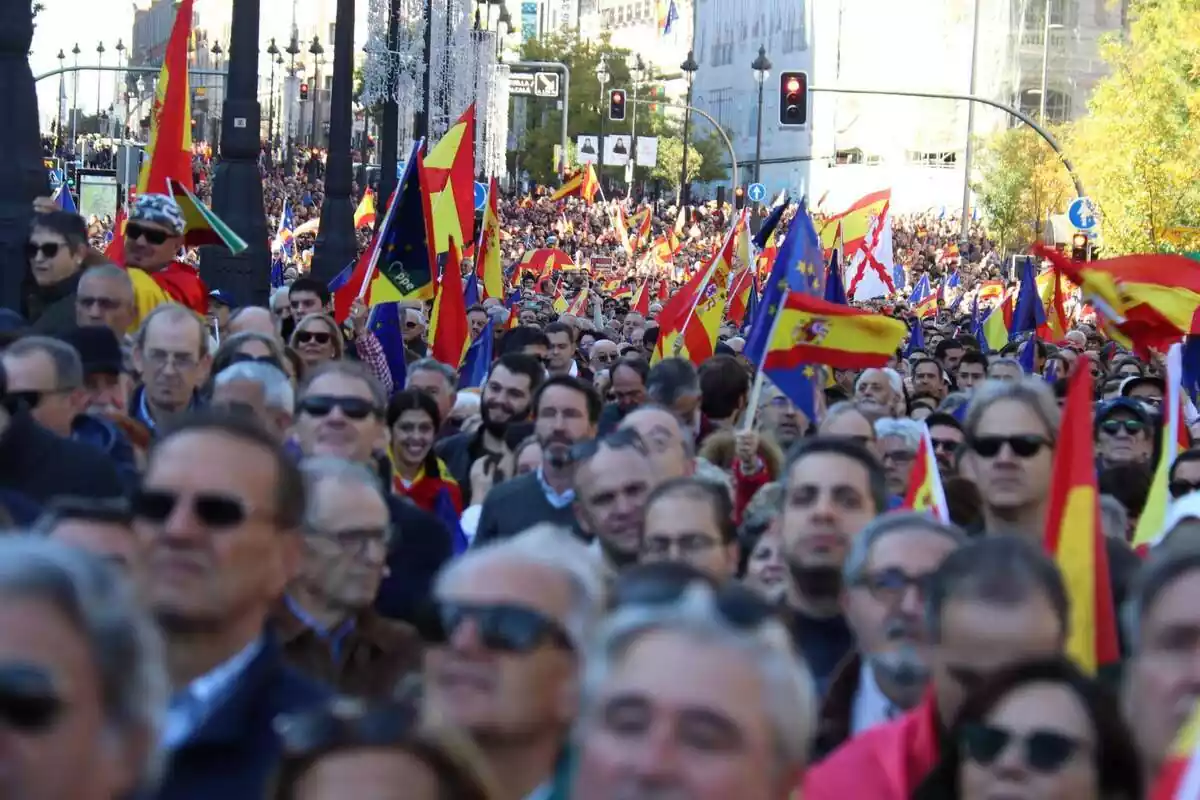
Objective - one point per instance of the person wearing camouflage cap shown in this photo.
(154, 235)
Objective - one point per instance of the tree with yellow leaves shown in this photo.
(1022, 183)
(1138, 149)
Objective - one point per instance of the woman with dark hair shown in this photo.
(1039, 730)
(55, 250)
(248, 346)
(417, 473)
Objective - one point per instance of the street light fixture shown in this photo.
(75, 51)
(275, 58)
(762, 70)
(602, 75)
(689, 67)
(99, 79)
(318, 53)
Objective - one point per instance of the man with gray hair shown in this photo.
(512, 619)
(258, 389)
(880, 393)
(681, 701)
(898, 442)
(438, 380)
(83, 676)
(885, 573)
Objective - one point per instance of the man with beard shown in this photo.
(833, 487)
(886, 569)
(613, 478)
(566, 411)
(505, 400)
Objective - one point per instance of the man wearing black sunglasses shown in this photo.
(55, 251)
(219, 515)
(1124, 433)
(153, 237)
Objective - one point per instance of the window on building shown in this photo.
(1062, 12)
(941, 158)
(1058, 104)
(851, 156)
(794, 34)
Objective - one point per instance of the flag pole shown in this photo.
(678, 346)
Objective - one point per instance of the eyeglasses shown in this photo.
(212, 509)
(1114, 426)
(898, 456)
(889, 585)
(608, 358)
(152, 235)
(688, 545)
(357, 541)
(103, 303)
(160, 358)
(48, 250)
(353, 407)
(1179, 488)
(246, 358)
(947, 445)
(346, 722)
(320, 337)
(619, 439)
(1022, 446)
(1044, 751)
(502, 627)
(29, 703)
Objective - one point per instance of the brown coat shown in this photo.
(837, 707)
(373, 660)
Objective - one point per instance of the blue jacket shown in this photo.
(108, 439)
(236, 752)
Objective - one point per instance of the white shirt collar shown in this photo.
(213, 683)
(871, 706)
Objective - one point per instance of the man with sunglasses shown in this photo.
(990, 604)
(504, 646)
(1185, 474)
(946, 437)
(219, 515)
(1124, 433)
(154, 235)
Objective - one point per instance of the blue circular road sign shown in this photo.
(756, 192)
(480, 195)
(1082, 213)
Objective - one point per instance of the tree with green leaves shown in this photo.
(1022, 183)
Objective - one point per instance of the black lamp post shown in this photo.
(58, 131)
(237, 195)
(389, 132)
(75, 51)
(273, 52)
(214, 105)
(293, 49)
(602, 76)
(762, 68)
(22, 177)
(336, 244)
(317, 52)
(689, 67)
(99, 81)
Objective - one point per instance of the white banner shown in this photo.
(647, 151)
(616, 149)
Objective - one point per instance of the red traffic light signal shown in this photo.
(793, 98)
(616, 105)
(1079, 247)
(304, 91)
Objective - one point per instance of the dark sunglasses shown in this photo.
(48, 250)
(1023, 446)
(1044, 751)
(15, 402)
(739, 606)
(889, 585)
(345, 723)
(246, 358)
(352, 407)
(501, 627)
(1114, 426)
(320, 337)
(212, 509)
(28, 701)
(104, 303)
(151, 235)
(1179, 488)
(944, 444)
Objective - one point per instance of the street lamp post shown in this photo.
(317, 52)
(503, 26)
(75, 51)
(762, 70)
(58, 101)
(273, 53)
(99, 80)
(1046, 28)
(273, 128)
(336, 244)
(689, 67)
(638, 74)
(117, 83)
(293, 49)
(237, 195)
(389, 125)
(214, 104)
(602, 75)
(22, 176)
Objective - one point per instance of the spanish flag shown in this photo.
(617, 214)
(1053, 293)
(449, 181)
(364, 215)
(169, 151)
(448, 320)
(990, 292)
(488, 266)
(582, 183)
(1180, 775)
(1174, 441)
(925, 492)
(579, 305)
(559, 300)
(690, 322)
(641, 300)
(810, 330)
(855, 222)
(739, 296)
(1073, 534)
(1149, 301)
(640, 223)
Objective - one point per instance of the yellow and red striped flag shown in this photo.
(1073, 534)
(925, 492)
(578, 305)
(1175, 441)
(739, 296)
(364, 215)
(641, 300)
(169, 151)
(582, 183)
(1179, 778)
(448, 320)
(449, 180)
(488, 265)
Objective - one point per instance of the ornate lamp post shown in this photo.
(689, 67)
(762, 70)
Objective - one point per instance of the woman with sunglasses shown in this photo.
(1040, 730)
(55, 252)
(317, 339)
(417, 473)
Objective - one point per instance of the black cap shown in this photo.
(1129, 404)
(98, 349)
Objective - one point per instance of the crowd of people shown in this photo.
(247, 556)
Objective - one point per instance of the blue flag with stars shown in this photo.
(835, 290)
(403, 243)
(977, 325)
(478, 359)
(470, 291)
(916, 339)
(443, 509)
(387, 326)
(770, 224)
(1029, 315)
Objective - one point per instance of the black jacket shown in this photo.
(421, 544)
(459, 452)
(41, 465)
(51, 310)
(517, 504)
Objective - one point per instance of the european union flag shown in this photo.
(770, 224)
(403, 243)
(387, 326)
(342, 278)
(898, 279)
(64, 200)
(1028, 356)
(470, 290)
(916, 341)
(921, 290)
(1029, 314)
(443, 509)
(1191, 367)
(752, 302)
(478, 360)
(977, 325)
(835, 290)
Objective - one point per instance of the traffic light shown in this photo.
(616, 105)
(739, 198)
(304, 91)
(793, 98)
(1079, 247)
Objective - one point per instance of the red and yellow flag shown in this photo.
(488, 266)
(810, 330)
(169, 151)
(641, 300)
(1179, 778)
(925, 492)
(640, 224)
(450, 181)
(1174, 441)
(855, 221)
(1073, 533)
(364, 215)
(990, 292)
(582, 183)
(448, 320)
(690, 329)
(739, 296)
(578, 306)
